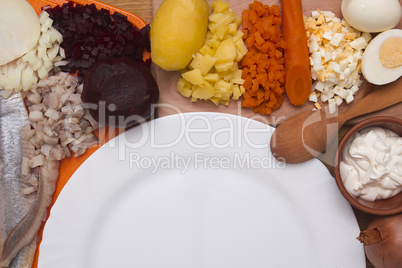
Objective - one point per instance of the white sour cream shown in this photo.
(371, 164)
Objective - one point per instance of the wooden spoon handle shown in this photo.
(379, 99)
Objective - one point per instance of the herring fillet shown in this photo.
(14, 205)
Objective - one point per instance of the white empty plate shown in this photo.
(199, 190)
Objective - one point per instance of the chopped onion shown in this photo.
(44, 58)
(19, 31)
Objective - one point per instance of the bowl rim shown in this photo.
(352, 200)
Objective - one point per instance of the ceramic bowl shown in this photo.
(388, 206)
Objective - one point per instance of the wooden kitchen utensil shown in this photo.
(308, 134)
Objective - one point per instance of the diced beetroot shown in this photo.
(95, 33)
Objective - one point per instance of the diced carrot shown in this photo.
(245, 34)
(277, 21)
(247, 83)
(249, 102)
(250, 40)
(271, 77)
(263, 65)
(259, 8)
(258, 39)
(244, 72)
(275, 11)
(245, 21)
(261, 78)
(260, 95)
(253, 71)
(253, 16)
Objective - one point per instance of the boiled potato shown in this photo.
(213, 73)
(177, 32)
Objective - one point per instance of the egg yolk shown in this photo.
(391, 52)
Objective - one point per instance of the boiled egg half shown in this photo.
(382, 60)
(372, 15)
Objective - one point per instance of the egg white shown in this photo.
(372, 15)
(372, 68)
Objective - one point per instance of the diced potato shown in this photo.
(220, 6)
(224, 66)
(181, 84)
(232, 28)
(227, 18)
(207, 50)
(195, 63)
(241, 46)
(214, 18)
(226, 51)
(215, 100)
(236, 92)
(194, 77)
(204, 92)
(214, 74)
(239, 35)
(207, 62)
(237, 21)
(186, 92)
(222, 31)
(214, 43)
(212, 77)
(222, 85)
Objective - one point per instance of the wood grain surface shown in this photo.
(167, 80)
(146, 8)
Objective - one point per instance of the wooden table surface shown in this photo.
(143, 8)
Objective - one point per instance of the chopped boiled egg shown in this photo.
(336, 50)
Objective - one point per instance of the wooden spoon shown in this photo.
(308, 134)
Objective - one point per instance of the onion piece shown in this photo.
(19, 31)
(383, 241)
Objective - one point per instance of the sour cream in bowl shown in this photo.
(368, 166)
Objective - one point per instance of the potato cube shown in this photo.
(215, 17)
(206, 63)
(207, 50)
(237, 20)
(213, 43)
(227, 18)
(232, 28)
(226, 51)
(222, 31)
(224, 66)
(215, 101)
(220, 6)
(186, 92)
(222, 85)
(236, 92)
(204, 92)
(184, 87)
(195, 63)
(241, 46)
(181, 84)
(239, 35)
(211, 77)
(194, 77)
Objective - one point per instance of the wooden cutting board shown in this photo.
(172, 102)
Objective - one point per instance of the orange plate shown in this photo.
(69, 165)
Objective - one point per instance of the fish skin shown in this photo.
(14, 205)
